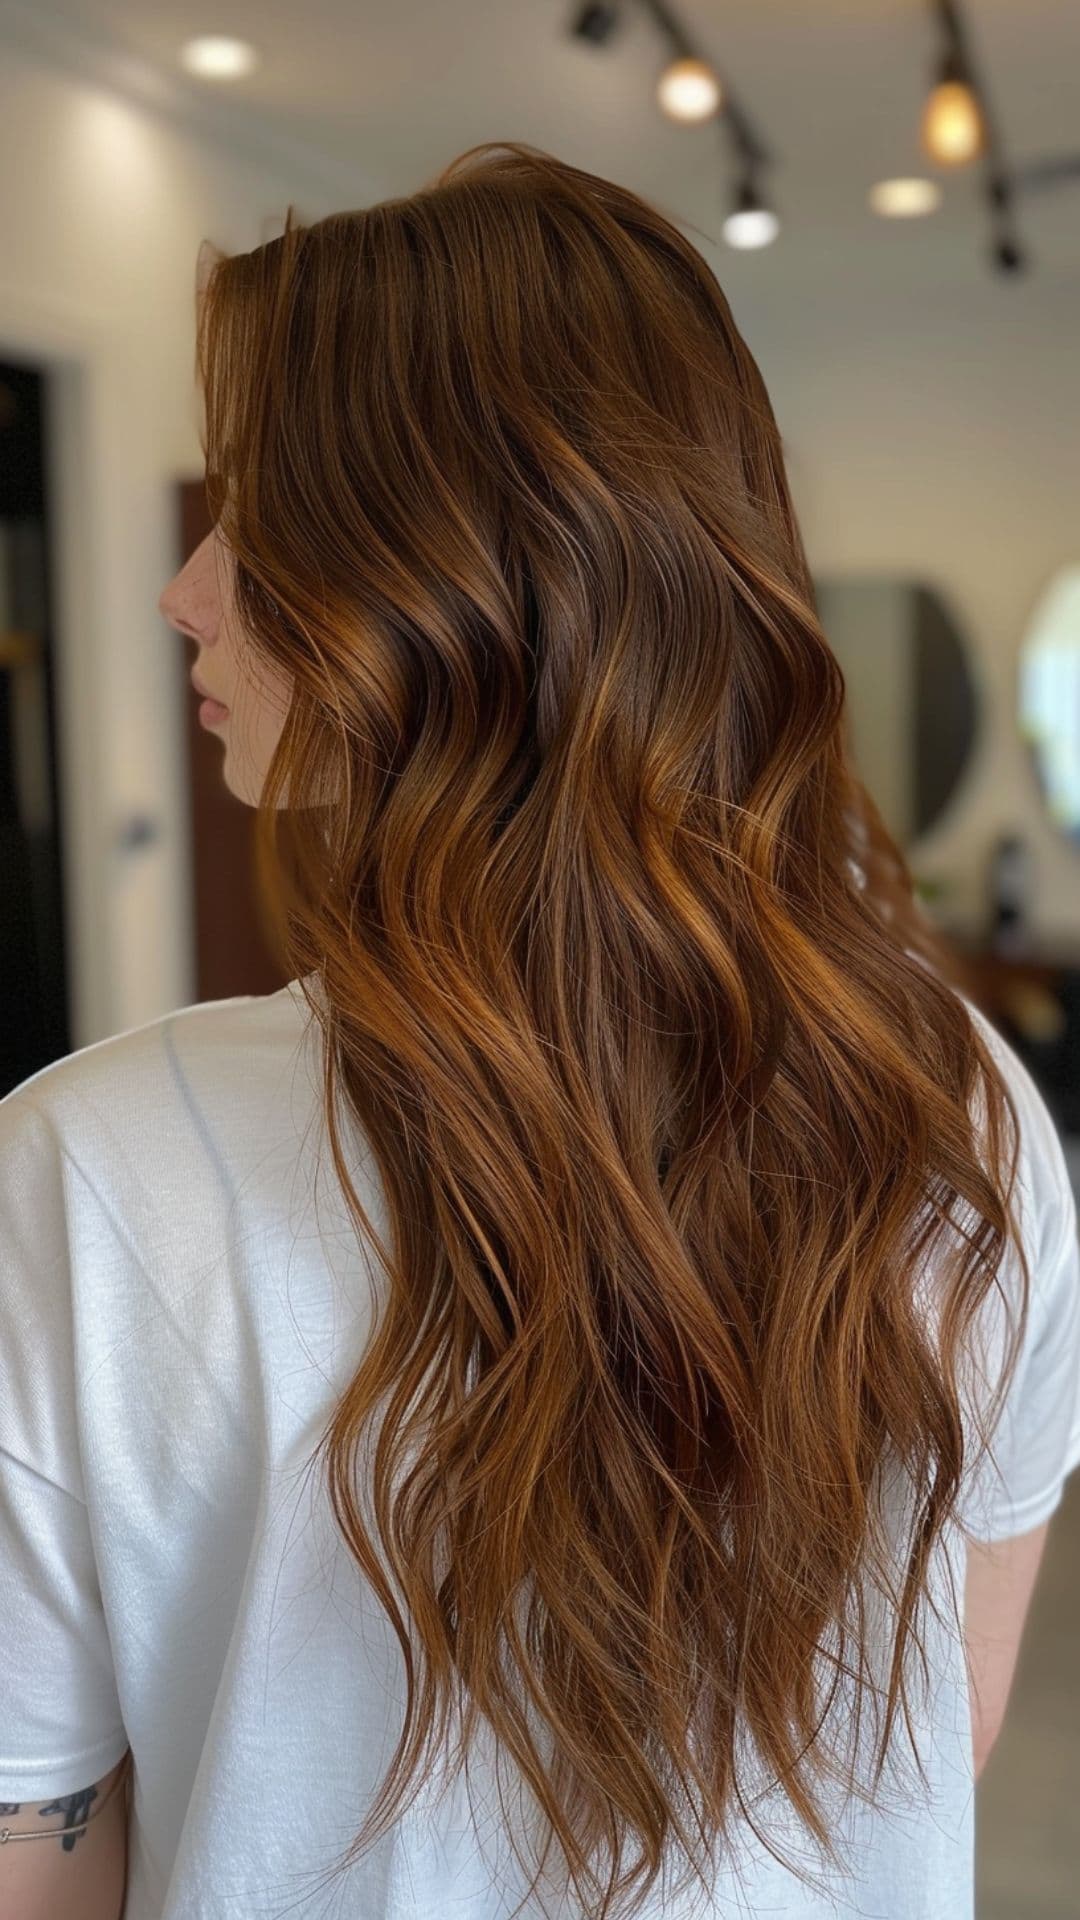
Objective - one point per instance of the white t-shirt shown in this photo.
(177, 1319)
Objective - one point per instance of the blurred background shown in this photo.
(889, 195)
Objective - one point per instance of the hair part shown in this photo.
(669, 1083)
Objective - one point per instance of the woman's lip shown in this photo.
(205, 691)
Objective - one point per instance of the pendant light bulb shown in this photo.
(750, 224)
(952, 130)
(689, 90)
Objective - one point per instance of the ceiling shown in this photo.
(373, 97)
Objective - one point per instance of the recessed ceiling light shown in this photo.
(902, 199)
(216, 57)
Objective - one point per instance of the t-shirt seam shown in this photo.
(26, 1770)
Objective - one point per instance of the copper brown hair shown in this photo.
(671, 1087)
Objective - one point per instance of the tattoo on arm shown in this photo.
(74, 1806)
(77, 1808)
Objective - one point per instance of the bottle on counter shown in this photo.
(1010, 895)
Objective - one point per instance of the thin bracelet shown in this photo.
(54, 1833)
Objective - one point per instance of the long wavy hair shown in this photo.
(673, 1091)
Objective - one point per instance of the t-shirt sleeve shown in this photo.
(1036, 1442)
(60, 1721)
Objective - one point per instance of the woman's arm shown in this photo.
(67, 1867)
(998, 1586)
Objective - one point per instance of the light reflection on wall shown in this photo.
(1049, 698)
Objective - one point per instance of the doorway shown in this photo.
(35, 1024)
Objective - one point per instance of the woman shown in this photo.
(724, 1306)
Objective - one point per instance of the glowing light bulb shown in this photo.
(952, 130)
(750, 223)
(689, 90)
(751, 227)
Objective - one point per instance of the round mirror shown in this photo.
(912, 703)
(1049, 699)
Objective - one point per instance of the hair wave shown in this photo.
(668, 1080)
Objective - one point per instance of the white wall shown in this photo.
(105, 205)
(946, 448)
(934, 451)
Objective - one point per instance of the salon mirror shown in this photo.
(912, 701)
(1049, 699)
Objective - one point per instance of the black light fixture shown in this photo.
(596, 23)
(689, 88)
(750, 223)
(957, 128)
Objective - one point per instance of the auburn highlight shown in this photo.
(697, 1168)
